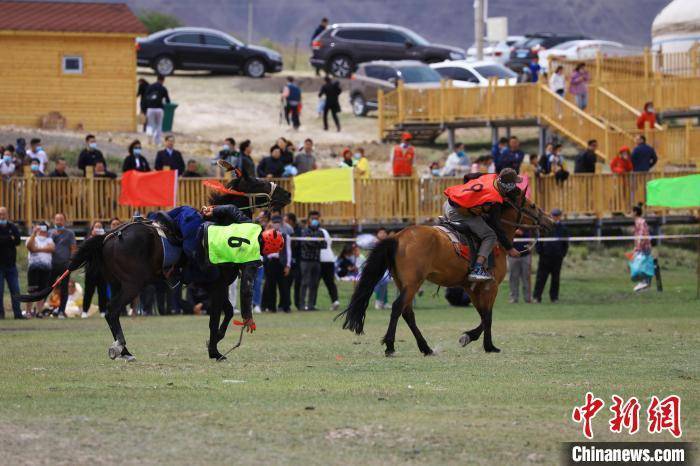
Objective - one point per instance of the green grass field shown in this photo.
(302, 391)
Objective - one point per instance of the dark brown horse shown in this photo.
(133, 258)
(420, 253)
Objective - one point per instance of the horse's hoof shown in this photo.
(389, 354)
(429, 353)
(221, 358)
(127, 357)
(464, 340)
(492, 349)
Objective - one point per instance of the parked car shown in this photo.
(498, 51)
(375, 75)
(341, 47)
(204, 49)
(523, 52)
(465, 73)
(586, 50)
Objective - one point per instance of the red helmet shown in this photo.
(273, 241)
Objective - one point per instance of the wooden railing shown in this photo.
(647, 66)
(378, 200)
(667, 93)
(612, 121)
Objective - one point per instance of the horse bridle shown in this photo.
(252, 196)
(525, 212)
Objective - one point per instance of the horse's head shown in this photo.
(521, 212)
(262, 192)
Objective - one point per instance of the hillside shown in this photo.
(449, 21)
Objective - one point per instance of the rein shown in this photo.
(523, 212)
(217, 186)
(252, 196)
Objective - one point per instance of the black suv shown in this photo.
(523, 52)
(341, 47)
(204, 49)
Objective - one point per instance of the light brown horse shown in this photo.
(420, 253)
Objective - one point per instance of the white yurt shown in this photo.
(677, 27)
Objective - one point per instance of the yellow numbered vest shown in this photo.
(236, 243)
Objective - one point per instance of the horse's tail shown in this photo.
(90, 252)
(380, 259)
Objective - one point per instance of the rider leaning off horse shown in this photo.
(475, 207)
(241, 241)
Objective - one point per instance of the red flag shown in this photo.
(149, 189)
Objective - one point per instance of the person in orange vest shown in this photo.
(402, 157)
(475, 207)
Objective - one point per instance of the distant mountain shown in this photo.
(444, 21)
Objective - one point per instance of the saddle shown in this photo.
(161, 223)
(464, 244)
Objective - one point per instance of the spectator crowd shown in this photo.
(286, 280)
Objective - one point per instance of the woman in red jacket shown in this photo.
(648, 116)
(622, 163)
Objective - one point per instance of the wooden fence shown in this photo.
(612, 122)
(645, 67)
(378, 200)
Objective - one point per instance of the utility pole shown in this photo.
(250, 21)
(479, 28)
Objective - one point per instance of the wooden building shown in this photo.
(73, 61)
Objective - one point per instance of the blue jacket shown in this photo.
(510, 159)
(643, 158)
(189, 221)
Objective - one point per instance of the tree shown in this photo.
(156, 21)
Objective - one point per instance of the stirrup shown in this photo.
(476, 276)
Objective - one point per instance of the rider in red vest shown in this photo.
(475, 207)
(402, 157)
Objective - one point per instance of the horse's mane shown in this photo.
(222, 198)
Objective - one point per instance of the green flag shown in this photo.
(329, 185)
(678, 192)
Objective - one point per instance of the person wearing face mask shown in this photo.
(91, 154)
(229, 153)
(7, 166)
(35, 167)
(135, 160)
(361, 164)
(457, 162)
(402, 157)
(94, 280)
(40, 248)
(36, 151)
(64, 239)
(647, 118)
(9, 240)
(310, 261)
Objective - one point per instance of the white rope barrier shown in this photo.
(572, 239)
